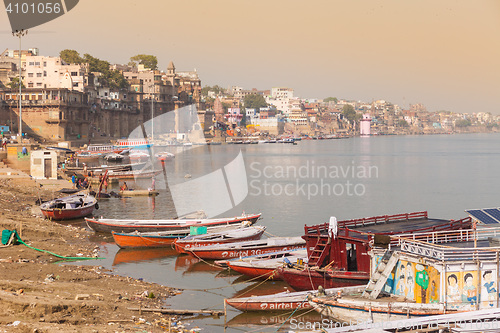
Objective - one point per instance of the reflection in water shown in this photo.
(138, 255)
(441, 174)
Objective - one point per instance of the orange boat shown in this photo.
(214, 235)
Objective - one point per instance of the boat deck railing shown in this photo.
(366, 221)
(430, 244)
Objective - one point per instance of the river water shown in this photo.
(294, 185)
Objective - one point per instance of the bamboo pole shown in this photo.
(180, 312)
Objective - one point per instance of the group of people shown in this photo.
(81, 183)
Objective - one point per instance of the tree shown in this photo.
(71, 56)
(216, 89)
(113, 78)
(14, 83)
(330, 99)
(403, 123)
(462, 123)
(254, 101)
(349, 112)
(149, 61)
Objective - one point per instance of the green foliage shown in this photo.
(330, 99)
(149, 61)
(216, 89)
(71, 56)
(462, 123)
(254, 101)
(403, 123)
(350, 114)
(14, 83)
(112, 78)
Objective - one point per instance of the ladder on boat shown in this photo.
(381, 274)
(319, 253)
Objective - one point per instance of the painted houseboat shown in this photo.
(422, 274)
(338, 250)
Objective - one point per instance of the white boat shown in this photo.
(113, 157)
(121, 225)
(164, 155)
(284, 301)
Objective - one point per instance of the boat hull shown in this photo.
(136, 240)
(139, 193)
(354, 311)
(67, 214)
(236, 253)
(183, 247)
(101, 226)
(311, 279)
(282, 301)
(268, 273)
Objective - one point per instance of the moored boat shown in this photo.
(266, 266)
(167, 238)
(133, 174)
(71, 207)
(121, 225)
(244, 249)
(341, 258)
(231, 236)
(423, 274)
(139, 193)
(164, 156)
(284, 301)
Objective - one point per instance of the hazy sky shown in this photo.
(444, 54)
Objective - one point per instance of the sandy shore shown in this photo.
(37, 295)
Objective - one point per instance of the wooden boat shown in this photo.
(71, 207)
(138, 156)
(104, 167)
(133, 174)
(267, 266)
(164, 156)
(86, 156)
(167, 238)
(98, 149)
(284, 301)
(423, 274)
(113, 157)
(231, 236)
(120, 225)
(141, 193)
(343, 260)
(357, 309)
(245, 249)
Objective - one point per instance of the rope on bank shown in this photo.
(10, 237)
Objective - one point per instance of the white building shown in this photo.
(50, 72)
(280, 98)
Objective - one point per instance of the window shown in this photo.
(75, 84)
(44, 64)
(30, 85)
(39, 84)
(44, 73)
(31, 63)
(38, 74)
(74, 73)
(30, 74)
(37, 63)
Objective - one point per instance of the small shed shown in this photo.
(43, 164)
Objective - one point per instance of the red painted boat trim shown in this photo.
(312, 279)
(226, 254)
(183, 247)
